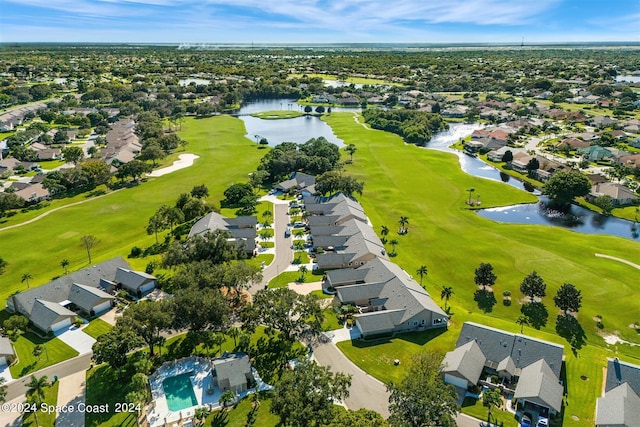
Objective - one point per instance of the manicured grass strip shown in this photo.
(300, 257)
(330, 321)
(283, 279)
(241, 413)
(277, 114)
(54, 351)
(321, 295)
(97, 327)
(476, 409)
(104, 386)
(44, 418)
(258, 260)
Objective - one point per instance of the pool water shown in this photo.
(179, 392)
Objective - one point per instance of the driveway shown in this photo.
(5, 373)
(283, 251)
(77, 339)
(71, 393)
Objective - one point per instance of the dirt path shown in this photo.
(624, 261)
(59, 208)
(355, 118)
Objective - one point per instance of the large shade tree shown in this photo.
(568, 298)
(422, 398)
(564, 186)
(533, 286)
(484, 275)
(307, 394)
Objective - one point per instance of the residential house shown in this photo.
(533, 364)
(7, 353)
(571, 143)
(299, 182)
(632, 160)
(620, 404)
(620, 195)
(136, 283)
(232, 371)
(596, 153)
(391, 302)
(242, 229)
(33, 193)
(122, 143)
(53, 306)
(603, 121)
(497, 155)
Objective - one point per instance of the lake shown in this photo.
(299, 129)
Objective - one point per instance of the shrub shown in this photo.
(506, 293)
(135, 252)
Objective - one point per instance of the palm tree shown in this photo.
(404, 221)
(234, 333)
(3, 390)
(384, 230)
(25, 278)
(36, 388)
(470, 190)
(393, 243)
(303, 271)
(522, 320)
(422, 271)
(351, 148)
(226, 398)
(64, 264)
(446, 293)
(201, 414)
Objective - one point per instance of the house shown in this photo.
(232, 371)
(620, 195)
(392, 304)
(33, 193)
(136, 283)
(242, 229)
(533, 363)
(298, 183)
(122, 143)
(53, 306)
(596, 153)
(571, 143)
(462, 367)
(632, 160)
(620, 404)
(7, 353)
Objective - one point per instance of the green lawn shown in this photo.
(430, 189)
(45, 419)
(277, 114)
(54, 351)
(259, 259)
(330, 321)
(241, 413)
(283, 279)
(97, 327)
(105, 387)
(218, 141)
(300, 257)
(51, 164)
(476, 409)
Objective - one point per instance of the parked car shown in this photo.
(287, 232)
(542, 422)
(299, 224)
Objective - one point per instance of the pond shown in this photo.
(578, 218)
(299, 129)
(630, 79)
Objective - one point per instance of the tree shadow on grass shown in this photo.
(536, 313)
(220, 419)
(485, 300)
(570, 329)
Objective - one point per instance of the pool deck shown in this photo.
(158, 413)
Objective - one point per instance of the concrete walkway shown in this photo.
(71, 393)
(76, 338)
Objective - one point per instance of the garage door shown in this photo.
(146, 288)
(456, 381)
(61, 325)
(102, 307)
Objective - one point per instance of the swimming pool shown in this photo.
(179, 392)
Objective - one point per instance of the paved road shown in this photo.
(366, 391)
(18, 388)
(284, 253)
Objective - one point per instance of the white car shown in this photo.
(542, 422)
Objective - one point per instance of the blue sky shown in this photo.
(319, 21)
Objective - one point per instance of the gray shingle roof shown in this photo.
(497, 345)
(619, 372)
(6, 349)
(242, 228)
(298, 181)
(234, 366)
(466, 361)
(87, 297)
(538, 383)
(620, 406)
(46, 313)
(58, 290)
(379, 322)
(132, 280)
